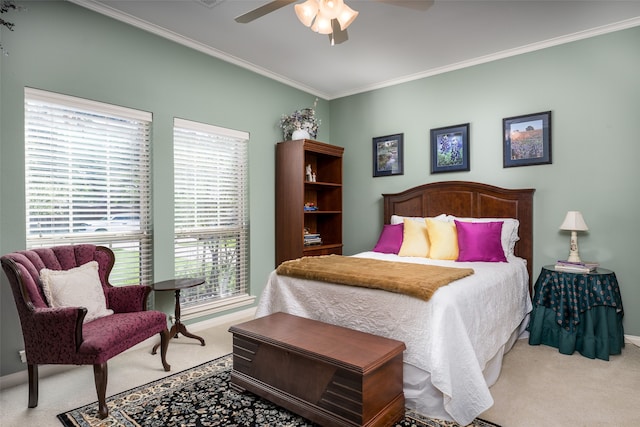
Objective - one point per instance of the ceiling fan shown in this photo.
(330, 17)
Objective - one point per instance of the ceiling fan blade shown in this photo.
(263, 10)
(339, 35)
(411, 4)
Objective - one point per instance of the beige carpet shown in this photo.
(537, 387)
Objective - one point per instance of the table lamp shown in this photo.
(574, 223)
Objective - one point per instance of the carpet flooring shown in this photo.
(201, 396)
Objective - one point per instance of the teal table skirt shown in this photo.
(598, 334)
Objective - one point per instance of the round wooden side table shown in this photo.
(176, 285)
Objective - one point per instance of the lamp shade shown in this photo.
(322, 24)
(574, 222)
(331, 8)
(306, 11)
(346, 16)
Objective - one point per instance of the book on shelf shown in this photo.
(578, 267)
(312, 239)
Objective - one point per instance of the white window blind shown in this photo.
(211, 210)
(87, 179)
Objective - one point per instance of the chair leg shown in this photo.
(164, 343)
(33, 385)
(100, 376)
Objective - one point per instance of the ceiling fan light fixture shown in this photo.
(322, 24)
(306, 11)
(331, 8)
(346, 16)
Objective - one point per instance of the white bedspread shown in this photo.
(450, 338)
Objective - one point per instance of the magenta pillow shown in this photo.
(390, 239)
(480, 241)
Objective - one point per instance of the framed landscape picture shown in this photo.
(450, 149)
(388, 155)
(527, 140)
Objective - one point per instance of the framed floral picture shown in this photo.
(388, 155)
(527, 140)
(450, 149)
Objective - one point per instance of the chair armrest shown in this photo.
(51, 330)
(128, 299)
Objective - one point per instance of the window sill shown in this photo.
(190, 313)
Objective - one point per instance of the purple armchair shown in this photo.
(59, 336)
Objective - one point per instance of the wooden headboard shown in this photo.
(469, 199)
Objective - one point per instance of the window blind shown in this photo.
(211, 210)
(88, 179)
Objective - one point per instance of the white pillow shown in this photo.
(509, 235)
(77, 287)
(397, 219)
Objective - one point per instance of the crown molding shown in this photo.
(597, 31)
(185, 41)
(200, 47)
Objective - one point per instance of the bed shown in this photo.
(456, 340)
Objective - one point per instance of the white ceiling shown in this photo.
(388, 44)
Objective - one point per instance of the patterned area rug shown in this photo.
(200, 397)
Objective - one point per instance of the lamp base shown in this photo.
(573, 248)
(573, 257)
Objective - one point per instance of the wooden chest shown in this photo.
(331, 375)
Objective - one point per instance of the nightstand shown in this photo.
(578, 311)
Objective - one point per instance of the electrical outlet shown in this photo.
(23, 356)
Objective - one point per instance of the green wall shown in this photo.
(592, 88)
(61, 47)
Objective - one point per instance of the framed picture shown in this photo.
(527, 140)
(388, 155)
(450, 149)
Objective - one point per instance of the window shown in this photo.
(211, 211)
(87, 179)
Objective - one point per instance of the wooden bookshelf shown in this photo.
(293, 190)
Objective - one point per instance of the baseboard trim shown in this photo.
(632, 339)
(21, 377)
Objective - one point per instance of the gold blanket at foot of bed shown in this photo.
(417, 280)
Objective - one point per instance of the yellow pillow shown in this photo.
(443, 239)
(415, 241)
